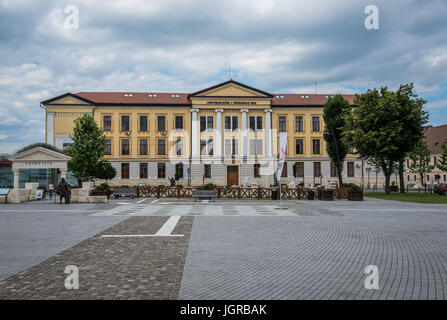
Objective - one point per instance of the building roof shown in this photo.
(136, 98)
(164, 98)
(280, 99)
(183, 99)
(434, 137)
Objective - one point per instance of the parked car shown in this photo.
(441, 189)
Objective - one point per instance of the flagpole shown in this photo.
(280, 196)
(280, 163)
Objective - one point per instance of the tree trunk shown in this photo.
(387, 183)
(340, 177)
(401, 176)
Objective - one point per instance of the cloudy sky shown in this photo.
(186, 45)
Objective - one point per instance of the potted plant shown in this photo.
(355, 192)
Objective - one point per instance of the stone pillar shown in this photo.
(16, 180)
(14, 195)
(195, 134)
(218, 151)
(64, 174)
(268, 132)
(244, 133)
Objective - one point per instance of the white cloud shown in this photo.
(10, 121)
(176, 45)
(437, 104)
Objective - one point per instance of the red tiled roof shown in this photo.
(183, 99)
(309, 99)
(136, 98)
(434, 137)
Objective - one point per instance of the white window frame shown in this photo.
(209, 145)
(257, 144)
(256, 123)
(231, 123)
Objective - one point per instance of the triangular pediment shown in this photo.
(39, 154)
(231, 88)
(67, 99)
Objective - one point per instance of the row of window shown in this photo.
(161, 170)
(415, 178)
(317, 170)
(143, 147)
(435, 162)
(207, 123)
(207, 147)
(143, 123)
(299, 124)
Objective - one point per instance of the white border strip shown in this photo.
(139, 235)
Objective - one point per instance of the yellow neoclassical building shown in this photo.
(226, 134)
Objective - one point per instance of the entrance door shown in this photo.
(232, 176)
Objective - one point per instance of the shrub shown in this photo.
(353, 186)
(208, 186)
(103, 186)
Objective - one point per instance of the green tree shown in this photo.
(420, 160)
(442, 161)
(334, 120)
(374, 127)
(88, 148)
(413, 119)
(105, 170)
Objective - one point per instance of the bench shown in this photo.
(204, 194)
(124, 192)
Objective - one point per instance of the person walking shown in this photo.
(51, 189)
(64, 191)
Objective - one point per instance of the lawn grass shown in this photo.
(409, 197)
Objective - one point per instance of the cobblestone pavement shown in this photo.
(33, 232)
(320, 257)
(207, 209)
(111, 268)
(241, 250)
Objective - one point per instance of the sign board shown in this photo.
(39, 194)
(4, 191)
(282, 154)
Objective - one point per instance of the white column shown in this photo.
(195, 134)
(50, 128)
(16, 179)
(244, 133)
(268, 132)
(218, 139)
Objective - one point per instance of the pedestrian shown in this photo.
(64, 191)
(51, 189)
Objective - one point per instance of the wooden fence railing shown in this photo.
(236, 192)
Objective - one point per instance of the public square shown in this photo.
(239, 249)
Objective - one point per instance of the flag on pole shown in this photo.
(282, 153)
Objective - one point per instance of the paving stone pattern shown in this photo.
(308, 258)
(111, 268)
